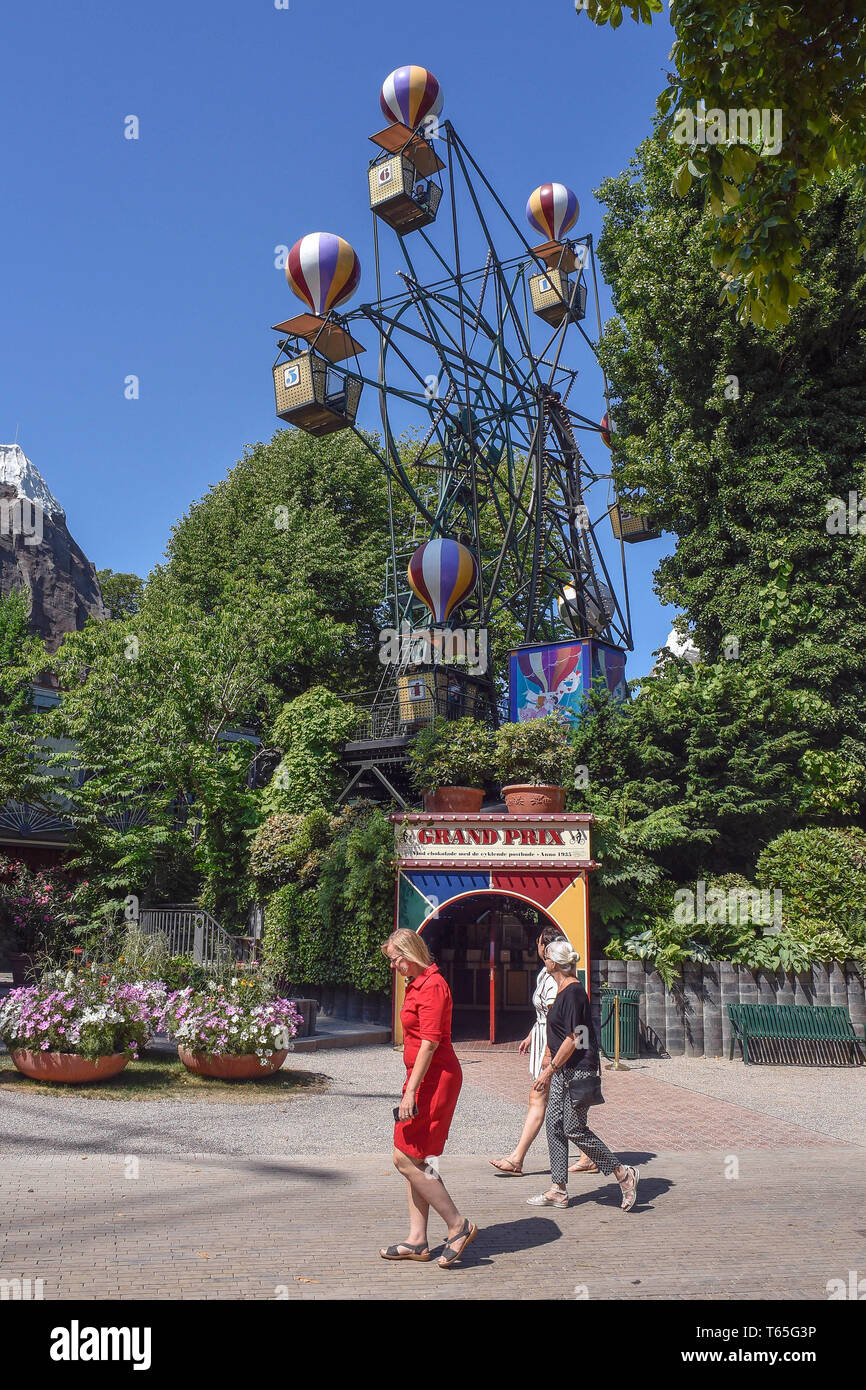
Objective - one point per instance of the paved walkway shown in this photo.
(111, 1199)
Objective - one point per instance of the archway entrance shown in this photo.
(480, 888)
(484, 944)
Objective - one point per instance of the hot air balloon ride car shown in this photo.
(311, 391)
(442, 573)
(631, 526)
(597, 609)
(552, 209)
(403, 179)
(626, 526)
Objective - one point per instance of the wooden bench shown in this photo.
(827, 1026)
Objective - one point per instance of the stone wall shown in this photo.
(692, 1018)
(343, 1001)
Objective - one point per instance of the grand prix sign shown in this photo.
(461, 841)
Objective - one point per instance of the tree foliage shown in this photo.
(122, 593)
(738, 439)
(296, 537)
(309, 731)
(806, 62)
(24, 775)
(154, 714)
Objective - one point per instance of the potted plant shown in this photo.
(231, 1031)
(450, 762)
(534, 759)
(79, 1026)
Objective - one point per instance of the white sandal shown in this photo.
(629, 1198)
(541, 1199)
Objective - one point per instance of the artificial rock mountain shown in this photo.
(38, 555)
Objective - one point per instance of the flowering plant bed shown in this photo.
(230, 1022)
(82, 1016)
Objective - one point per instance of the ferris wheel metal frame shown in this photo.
(501, 432)
(498, 431)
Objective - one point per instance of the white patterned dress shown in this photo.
(545, 993)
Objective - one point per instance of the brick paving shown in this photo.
(640, 1110)
(310, 1230)
(717, 1178)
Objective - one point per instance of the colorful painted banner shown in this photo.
(554, 678)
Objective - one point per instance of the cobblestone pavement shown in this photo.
(111, 1209)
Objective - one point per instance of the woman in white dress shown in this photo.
(535, 1043)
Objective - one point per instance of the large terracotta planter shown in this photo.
(523, 799)
(454, 799)
(67, 1066)
(228, 1068)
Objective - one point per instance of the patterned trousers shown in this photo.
(565, 1121)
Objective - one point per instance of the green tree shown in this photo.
(804, 61)
(156, 718)
(296, 536)
(122, 593)
(309, 731)
(739, 439)
(689, 780)
(23, 773)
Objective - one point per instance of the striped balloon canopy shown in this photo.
(442, 573)
(409, 94)
(323, 270)
(552, 209)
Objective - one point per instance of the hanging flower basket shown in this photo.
(68, 1066)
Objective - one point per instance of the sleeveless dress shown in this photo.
(426, 1014)
(545, 993)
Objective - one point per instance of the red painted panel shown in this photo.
(539, 887)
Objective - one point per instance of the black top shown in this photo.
(569, 1013)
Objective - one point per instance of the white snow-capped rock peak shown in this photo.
(682, 646)
(17, 470)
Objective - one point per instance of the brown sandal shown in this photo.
(449, 1255)
(417, 1252)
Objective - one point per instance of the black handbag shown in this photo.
(585, 1091)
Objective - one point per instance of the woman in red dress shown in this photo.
(433, 1081)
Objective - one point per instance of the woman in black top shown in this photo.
(572, 1051)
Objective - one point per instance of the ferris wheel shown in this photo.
(477, 329)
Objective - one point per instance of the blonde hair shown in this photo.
(409, 944)
(563, 955)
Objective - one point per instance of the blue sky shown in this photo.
(155, 257)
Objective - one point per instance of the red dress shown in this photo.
(426, 1014)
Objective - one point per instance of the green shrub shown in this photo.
(537, 752)
(297, 944)
(288, 847)
(329, 932)
(822, 874)
(356, 897)
(452, 753)
(309, 731)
